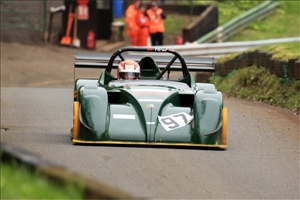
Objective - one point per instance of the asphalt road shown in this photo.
(261, 162)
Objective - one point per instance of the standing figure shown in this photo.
(143, 26)
(156, 26)
(130, 19)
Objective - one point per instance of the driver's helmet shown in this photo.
(129, 70)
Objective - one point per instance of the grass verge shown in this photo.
(284, 22)
(258, 84)
(18, 182)
(283, 51)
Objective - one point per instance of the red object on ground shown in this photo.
(179, 40)
(90, 44)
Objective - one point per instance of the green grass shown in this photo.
(231, 9)
(18, 182)
(258, 84)
(227, 11)
(284, 51)
(284, 22)
(175, 23)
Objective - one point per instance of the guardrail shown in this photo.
(224, 32)
(219, 49)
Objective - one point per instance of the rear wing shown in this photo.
(100, 60)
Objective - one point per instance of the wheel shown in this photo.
(76, 121)
(224, 126)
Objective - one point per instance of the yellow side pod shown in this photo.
(76, 120)
(224, 126)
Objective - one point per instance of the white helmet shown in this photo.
(129, 70)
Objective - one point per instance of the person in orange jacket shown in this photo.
(130, 19)
(156, 25)
(143, 23)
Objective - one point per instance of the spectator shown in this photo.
(130, 18)
(142, 22)
(156, 26)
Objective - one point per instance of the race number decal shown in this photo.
(175, 121)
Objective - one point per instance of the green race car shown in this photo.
(154, 110)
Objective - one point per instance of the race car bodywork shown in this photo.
(153, 110)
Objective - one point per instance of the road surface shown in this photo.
(261, 162)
